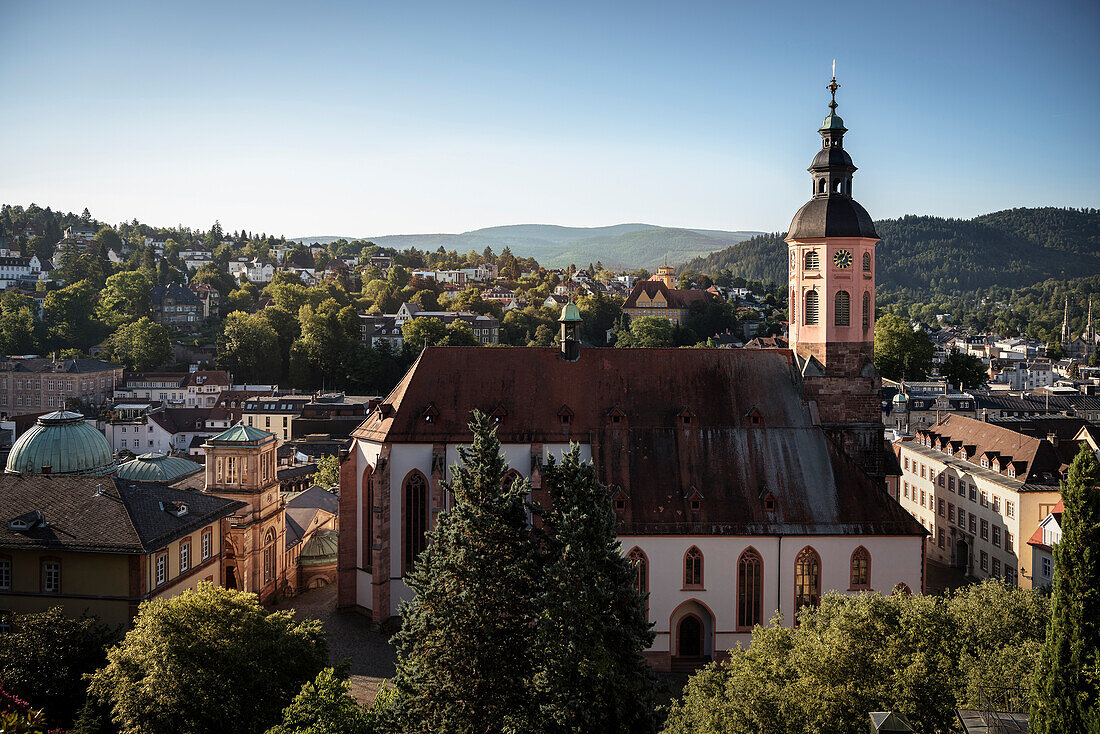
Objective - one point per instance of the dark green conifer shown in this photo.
(465, 640)
(592, 626)
(1067, 686)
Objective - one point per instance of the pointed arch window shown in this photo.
(509, 479)
(812, 308)
(368, 520)
(693, 568)
(750, 589)
(269, 556)
(866, 262)
(807, 578)
(842, 309)
(866, 310)
(641, 569)
(416, 516)
(861, 569)
(813, 260)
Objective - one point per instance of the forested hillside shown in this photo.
(922, 257)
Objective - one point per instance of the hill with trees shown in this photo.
(620, 246)
(921, 256)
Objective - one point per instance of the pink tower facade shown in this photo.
(831, 252)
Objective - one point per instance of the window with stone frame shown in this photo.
(860, 577)
(693, 568)
(807, 578)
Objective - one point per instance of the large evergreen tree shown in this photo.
(1067, 687)
(592, 624)
(465, 640)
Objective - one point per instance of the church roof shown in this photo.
(835, 215)
(727, 422)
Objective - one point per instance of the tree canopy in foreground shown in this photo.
(923, 656)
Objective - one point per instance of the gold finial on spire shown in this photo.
(832, 87)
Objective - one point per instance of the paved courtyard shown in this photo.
(349, 636)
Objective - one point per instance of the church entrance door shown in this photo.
(690, 637)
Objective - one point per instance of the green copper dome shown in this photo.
(320, 549)
(157, 468)
(570, 312)
(833, 122)
(241, 433)
(61, 443)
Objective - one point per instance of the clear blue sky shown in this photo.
(359, 118)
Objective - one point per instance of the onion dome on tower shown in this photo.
(832, 212)
(61, 443)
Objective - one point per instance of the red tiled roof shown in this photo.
(651, 453)
(1040, 460)
(675, 298)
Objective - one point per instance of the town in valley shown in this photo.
(840, 471)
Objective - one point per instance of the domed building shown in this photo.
(317, 561)
(61, 443)
(157, 467)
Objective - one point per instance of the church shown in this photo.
(747, 481)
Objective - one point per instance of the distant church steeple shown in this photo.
(1065, 324)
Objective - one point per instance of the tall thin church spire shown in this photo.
(1088, 325)
(1065, 323)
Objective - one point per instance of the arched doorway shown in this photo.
(962, 555)
(689, 637)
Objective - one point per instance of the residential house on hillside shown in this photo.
(16, 271)
(211, 299)
(486, 329)
(176, 306)
(195, 389)
(382, 262)
(142, 428)
(378, 328)
(655, 298)
(252, 270)
(275, 414)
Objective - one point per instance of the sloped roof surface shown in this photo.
(676, 298)
(1041, 461)
(241, 433)
(156, 467)
(651, 453)
(125, 518)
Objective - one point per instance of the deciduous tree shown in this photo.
(140, 345)
(211, 660)
(900, 352)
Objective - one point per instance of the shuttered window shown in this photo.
(842, 309)
(812, 308)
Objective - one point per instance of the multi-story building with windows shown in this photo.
(981, 490)
(38, 385)
(275, 414)
(657, 298)
(177, 306)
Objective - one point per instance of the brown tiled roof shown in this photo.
(208, 377)
(177, 420)
(767, 342)
(125, 518)
(651, 453)
(1040, 460)
(675, 298)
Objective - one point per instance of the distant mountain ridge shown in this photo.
(631, 245)
(926, 255)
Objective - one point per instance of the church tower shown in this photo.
(831, 249)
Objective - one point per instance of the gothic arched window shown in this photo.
(269, 556)
(807, 578)
(416, 516)
(368, 521)
(641, 569)
(750, 589)
(693, 568)
(866, 262)
(842, 309)
(509, 478)
(861, 569)
(813, 260)
(812, 307)
(866, 309)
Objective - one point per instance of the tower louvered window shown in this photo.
(866, 310)
(842, 309)
(813, 260)
(812, 308)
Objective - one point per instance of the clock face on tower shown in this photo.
(842, 259)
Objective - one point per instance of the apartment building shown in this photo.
(275, 414)
(39, 384)
(981, 490)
